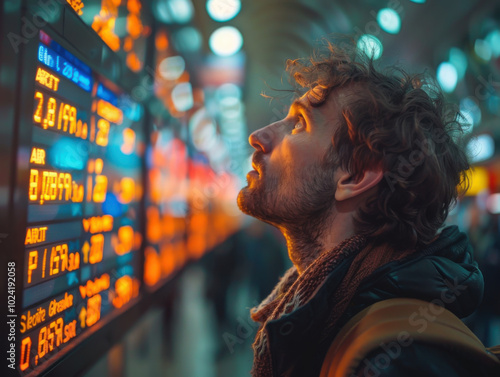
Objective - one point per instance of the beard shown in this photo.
(301, 204)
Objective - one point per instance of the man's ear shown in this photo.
(348, 186)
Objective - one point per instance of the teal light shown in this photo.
(418, 1)
(389, 20)
(371, 46)
(493, 38)
(447, 76)
(459, 61)
(482, 49)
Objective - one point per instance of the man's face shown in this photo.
(293, 177)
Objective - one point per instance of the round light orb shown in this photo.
(389, 20)
(223, 10)
(225, 41)
(371, 46)
(447, 76)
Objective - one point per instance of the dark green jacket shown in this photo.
(444, 271)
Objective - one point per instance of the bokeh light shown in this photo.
(226, 41)
(482, 49)
(389, 20)
(171, 68)
(223, 10)
(447, 76)
(493, 39)
(370, 45)
(174, 11)
(481, 148)
(459, 60)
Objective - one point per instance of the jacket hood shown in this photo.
(443, 271)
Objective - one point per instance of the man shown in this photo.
(359, 178)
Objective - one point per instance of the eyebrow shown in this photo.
(297, 104)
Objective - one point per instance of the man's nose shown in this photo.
(263, 139)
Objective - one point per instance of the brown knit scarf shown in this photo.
(295, 290)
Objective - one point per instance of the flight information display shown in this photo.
(83, 238)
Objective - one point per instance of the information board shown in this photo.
(83, 237)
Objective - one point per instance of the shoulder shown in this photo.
(394, 360)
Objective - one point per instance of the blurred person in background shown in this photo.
(359, 178)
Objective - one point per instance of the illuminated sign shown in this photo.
(82, 240)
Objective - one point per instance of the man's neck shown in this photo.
(306, 245)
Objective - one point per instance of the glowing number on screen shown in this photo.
(37, 117)
(54, 260)
(50, 336)
(32, 263)
(33, 184)
(102, 132)
(59, 331)
(25, 353)
(42, 342)
(51, 113)
(72, 119)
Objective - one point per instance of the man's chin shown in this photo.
(249, 202)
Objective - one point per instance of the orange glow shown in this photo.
(161, 41)
(134, 6)
(37, 156)
(47, 79)
(134, 25)
(128, 44)
(93, 310)
(104, 23)
(96, 248)
(109, 112)
(133, 61)
(77, 6)
(124, 243)
(102, 132)
(167, 259)
(93, 287)
(128, 141)
(98, 224)
(126, 288)
(100, 188)
(196, 245)
(125, 190)
(35, 235)
(99, 164)
(153, 230)
(152, 266)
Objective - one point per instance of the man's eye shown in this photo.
(299, 125)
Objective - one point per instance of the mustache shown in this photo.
(258, 161)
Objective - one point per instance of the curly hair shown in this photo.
(394, 121)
